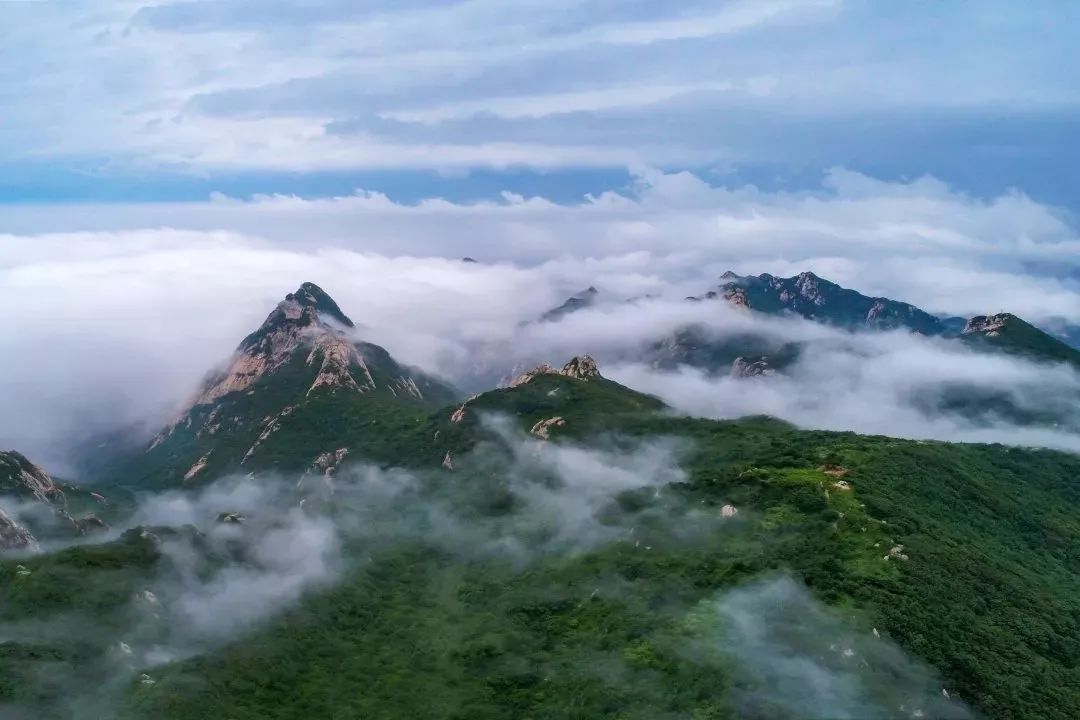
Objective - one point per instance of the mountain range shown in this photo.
(810, 297)
(560, 547)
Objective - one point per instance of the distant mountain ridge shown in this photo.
(578, 301)
(961, 554)
(815, 298)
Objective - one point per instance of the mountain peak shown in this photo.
(311, 295)
(578, 301)
(816, 298)
(988, 324)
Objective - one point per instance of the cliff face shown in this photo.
(19, 476)
(990, 325)
(23, 481)
(14, 536)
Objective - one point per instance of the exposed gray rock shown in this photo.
(582, 367)
(14, 536)
(744, 368)
(989, 325)
(542, 429)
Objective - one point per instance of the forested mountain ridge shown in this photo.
(562, 547)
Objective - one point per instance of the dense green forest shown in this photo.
(950, 572)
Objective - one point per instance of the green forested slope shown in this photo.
(427, 624)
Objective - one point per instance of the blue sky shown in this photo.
(165, 100)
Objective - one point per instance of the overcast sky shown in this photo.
(175, 99)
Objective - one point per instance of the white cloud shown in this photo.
(216, 86)
(110, 311)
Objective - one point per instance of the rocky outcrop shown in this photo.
(14, 536)
(989, 325)
(197, 468)
(22, 479)
(19, 476)
(808, 287)
(744, 368)
(308, 335)
(896, 552)
(305, 320)
(582, 367)
(328, 462)
(542, 429)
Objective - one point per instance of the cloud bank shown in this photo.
(793, 654)
(127, 306)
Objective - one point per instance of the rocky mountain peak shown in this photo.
(22, 480)
(808, 285)
(311, 295)
(989, 325)
(582, 367)
(735, 296)
(297, 323)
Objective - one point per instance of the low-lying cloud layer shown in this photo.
(113, 315)
(791, 653)
(243, 549)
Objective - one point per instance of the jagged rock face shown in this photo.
(744, 368)
(582, 367)
(22, 479)
(20, 476)
(14, 536)
(736, 297)
(990, 325)
(328, 462)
